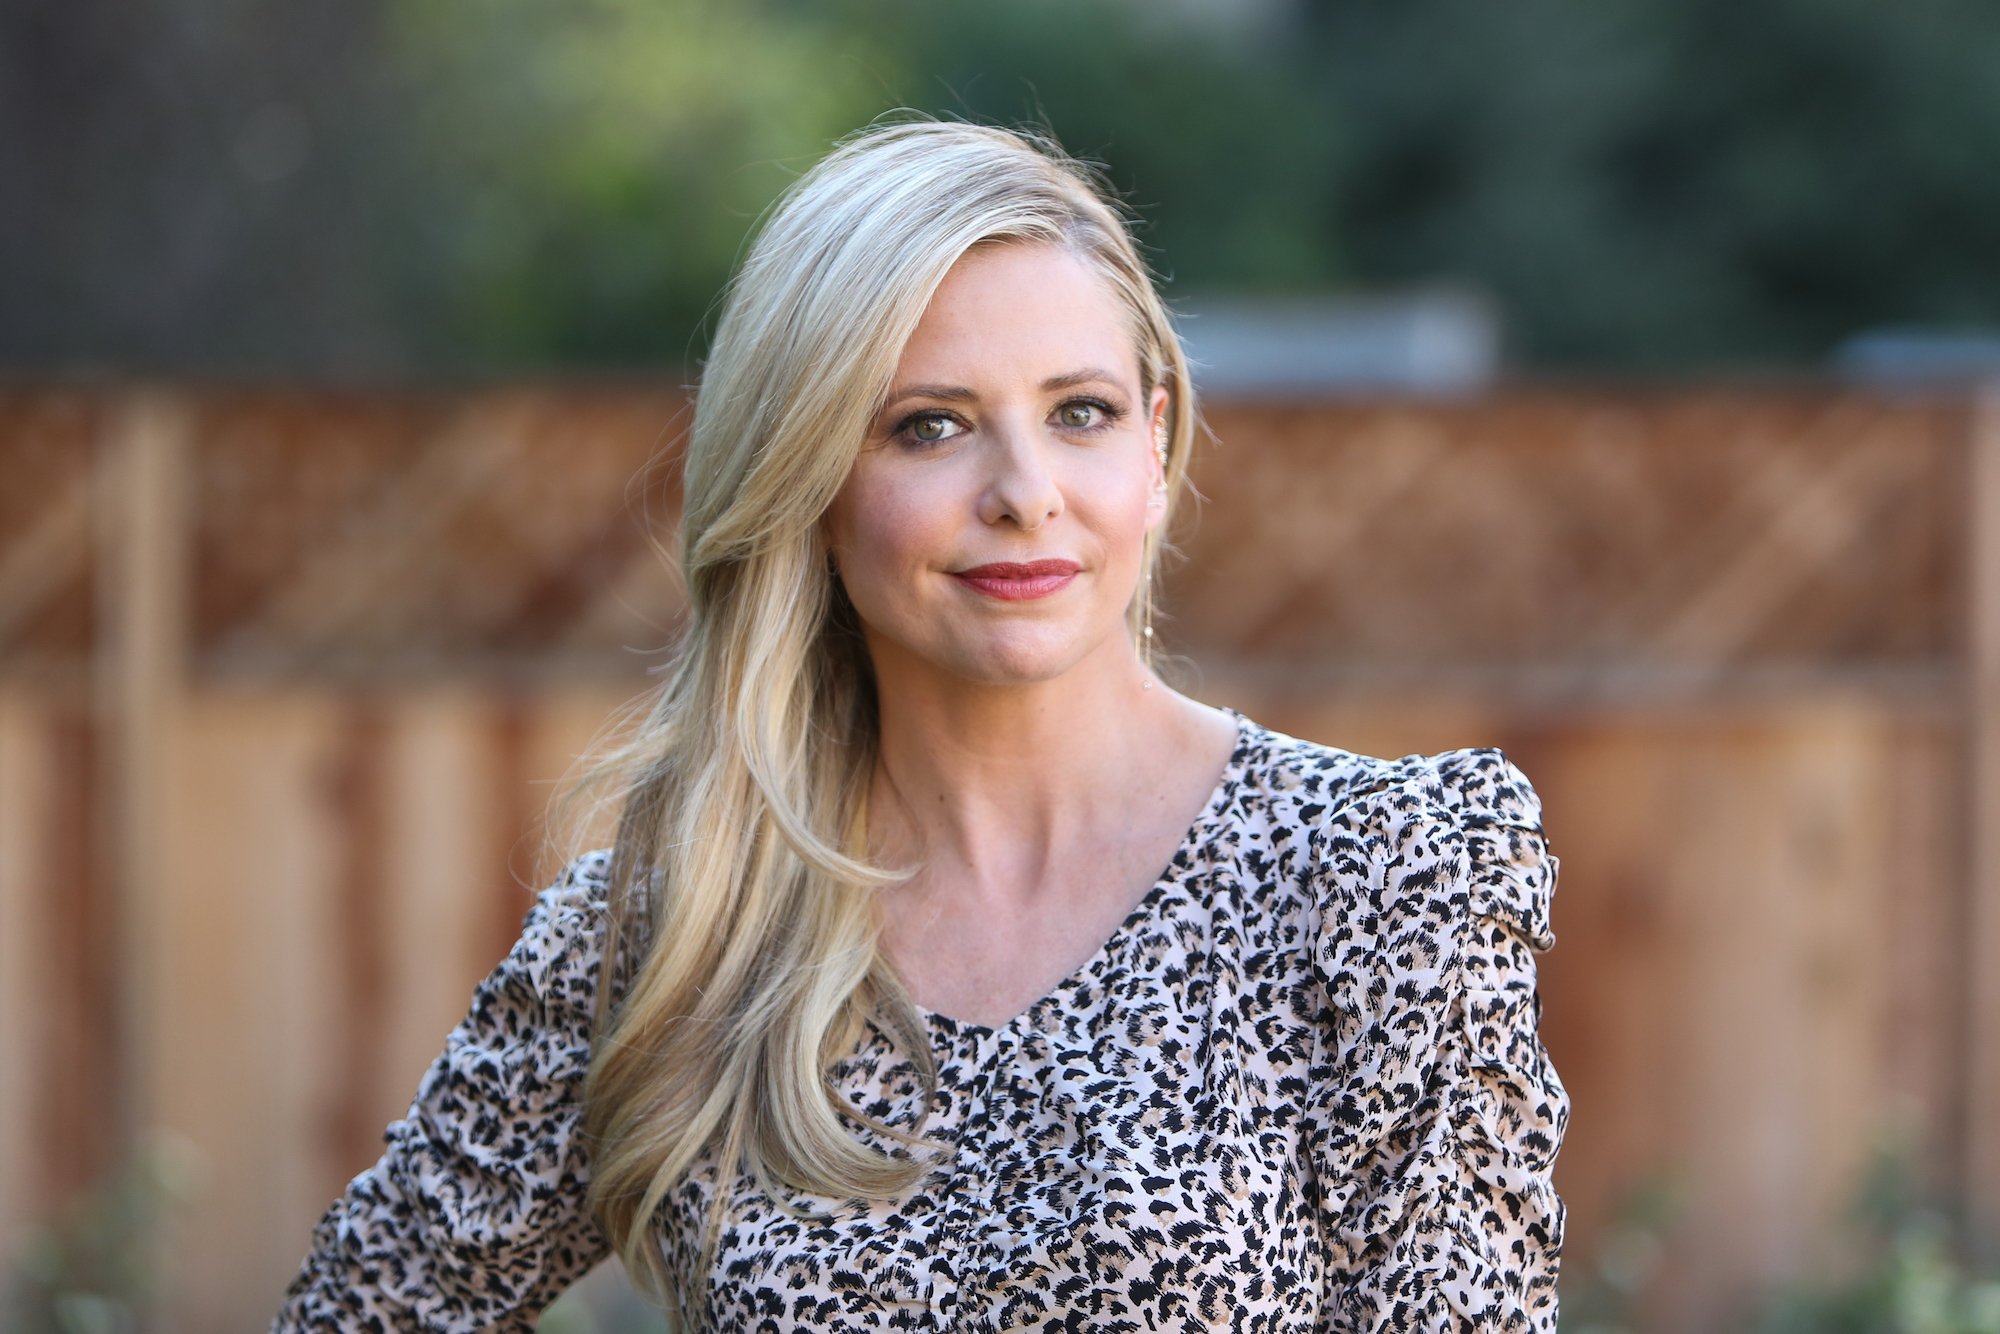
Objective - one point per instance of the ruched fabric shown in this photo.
(1300, 1088)
(472, 1218)
(1443, 1138)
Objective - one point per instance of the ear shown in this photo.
(824, 532)
(1156, 495)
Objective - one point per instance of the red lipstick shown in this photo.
(1018, 581)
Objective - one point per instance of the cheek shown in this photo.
(881, 529)
(1119, 505)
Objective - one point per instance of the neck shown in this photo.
(1006, 778)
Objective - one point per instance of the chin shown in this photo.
(1019, 660)
(1022, 654)
(990, 673)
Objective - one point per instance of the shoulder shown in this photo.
(1464, 823)
(561, 942)
(580, 887)
(579, 895)
(1308, 782)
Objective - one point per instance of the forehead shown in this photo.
(1019, 308)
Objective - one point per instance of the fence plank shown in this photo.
(1981, 1124)
(26, 901)
(246, 993)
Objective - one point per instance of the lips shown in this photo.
(1017, 581)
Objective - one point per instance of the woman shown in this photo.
(882, 1012)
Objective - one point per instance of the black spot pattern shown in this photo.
(1300, 1088)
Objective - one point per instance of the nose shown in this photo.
(1021, 486)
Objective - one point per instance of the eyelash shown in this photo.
(1112, 415)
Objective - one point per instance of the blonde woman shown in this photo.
(950, 971)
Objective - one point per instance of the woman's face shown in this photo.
(993, 524)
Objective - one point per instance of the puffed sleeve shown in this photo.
(1446, 1112)
(474, 1218)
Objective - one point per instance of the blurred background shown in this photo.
(1608, 382)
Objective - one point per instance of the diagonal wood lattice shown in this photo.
(1583, 530)
(1687, 530)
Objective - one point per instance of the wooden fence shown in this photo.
(285, 677)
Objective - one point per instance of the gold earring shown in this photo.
(1146, 588)
(1146, 631)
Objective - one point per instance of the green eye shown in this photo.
(922, 429)
(1088, 415)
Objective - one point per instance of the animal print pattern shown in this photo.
(1300, 1088)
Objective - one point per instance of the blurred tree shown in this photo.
(1663, 184)
(615, 172)
(375, 188)
(609, 157)
(1224, 152)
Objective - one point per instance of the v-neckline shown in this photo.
(1218, 801)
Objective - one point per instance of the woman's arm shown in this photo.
(474, 1216)
(1454, 1222)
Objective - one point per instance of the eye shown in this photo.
(926, 428)
(1088, 414)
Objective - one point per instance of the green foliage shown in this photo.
(1673, 183)
(1224, 151)
(385, 186)
(1917, 1278)
(1910, 1269)
(1607, 1297)
(1644, 185)
(94, 1270)
(614, 154)
(575, 1313)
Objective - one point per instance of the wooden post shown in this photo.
(1980, 1124)
(139, 679)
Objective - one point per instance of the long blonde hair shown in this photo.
(742, 928)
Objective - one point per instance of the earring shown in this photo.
(1146, 632)
(1146, 589)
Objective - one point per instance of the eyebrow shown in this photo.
(952, 393)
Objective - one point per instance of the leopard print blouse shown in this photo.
(1300, 1088)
